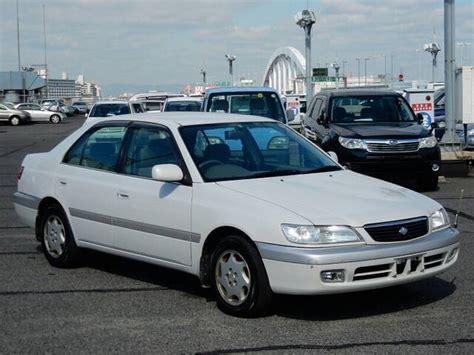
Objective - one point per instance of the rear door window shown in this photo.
(98, 150)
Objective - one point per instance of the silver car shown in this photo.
(39, 113)
(13, 115)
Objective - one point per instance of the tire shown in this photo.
(57, 239)
(236, 266)
(15, 120)
(55, 119)
(428, 182)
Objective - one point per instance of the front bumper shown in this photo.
(294, 270)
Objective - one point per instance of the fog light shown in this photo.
(332, 276)
(452, 254)
(435, 167)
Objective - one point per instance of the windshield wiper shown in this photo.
(276, 173)
(322, 169)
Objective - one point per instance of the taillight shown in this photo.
(20, 172)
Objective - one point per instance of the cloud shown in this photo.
(168, 41)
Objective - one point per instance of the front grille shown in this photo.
(392, 146)
(398, 230)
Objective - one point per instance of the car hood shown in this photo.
(340, 197)
(388, 130)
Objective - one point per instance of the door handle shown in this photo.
(62, 182)
(122, 195)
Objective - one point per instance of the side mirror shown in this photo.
(86, 114)
(291, 114)
(167, 173)
(333, 156)
(322, 119)
(419, 118)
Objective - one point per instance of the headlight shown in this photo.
(306, 234)
(439, 220)
(351, 143)
(428, 142)
(470, 132)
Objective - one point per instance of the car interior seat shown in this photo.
(155, 152)
(339, 114)
(219, 152)
(101, 156)
(257, 106)
(220, 106)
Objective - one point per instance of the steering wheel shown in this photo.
(208, 163)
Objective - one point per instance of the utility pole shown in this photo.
(449, 71)
(46, 74)
(306, 19)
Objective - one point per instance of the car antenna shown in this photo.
(459, 209)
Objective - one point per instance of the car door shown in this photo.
(4, 113)
(85, 183)
(322, 126)
(152, 218)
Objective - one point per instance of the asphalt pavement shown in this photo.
(113, 304)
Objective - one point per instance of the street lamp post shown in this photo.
(358, 71)
(231, 58)
(365, 64)
(433, 49)
(336, 67)
(203, 72)
(306, 19)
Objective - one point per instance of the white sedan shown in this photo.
(244, 203)
(39, 113)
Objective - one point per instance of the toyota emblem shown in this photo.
(393, 142)
(403, 231)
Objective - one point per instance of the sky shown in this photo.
(159, 42)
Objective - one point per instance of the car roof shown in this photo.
(192, 99)
(177, 119)
(239, 89)
(112, 102)
(357, 92)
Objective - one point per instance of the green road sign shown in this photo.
(320, 71)
(323, 79)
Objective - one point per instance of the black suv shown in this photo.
(374, 132)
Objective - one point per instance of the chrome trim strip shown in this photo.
(386, 141)
(26, 200)
(347, 254)
(138, 226)
(396, 223)
(91, 216)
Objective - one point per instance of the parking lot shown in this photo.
(116, 305)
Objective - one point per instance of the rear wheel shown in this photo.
(57, 239)
(55, 119)
(15, 120)
(239, 278)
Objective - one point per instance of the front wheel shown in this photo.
(15, 120)
(57, 239)
(55, 119)
(239, 278)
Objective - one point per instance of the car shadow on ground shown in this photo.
(365, 303)
(140, 271)
(311, 308)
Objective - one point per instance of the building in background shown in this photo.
(21, 86)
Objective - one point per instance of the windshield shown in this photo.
(183, 106)
(266, 104)
(104, 110)
(235, 151)
(370, 109)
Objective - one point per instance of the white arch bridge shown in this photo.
(285, 71)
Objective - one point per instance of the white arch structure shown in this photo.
(285, 71)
